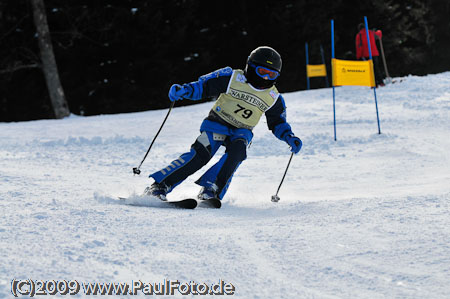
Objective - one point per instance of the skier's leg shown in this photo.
(236, 153)
(176, 172)
(377, 70)
(209, 177)
(217, 179)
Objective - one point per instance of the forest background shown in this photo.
(122, 56)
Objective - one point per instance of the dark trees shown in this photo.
(122, 56)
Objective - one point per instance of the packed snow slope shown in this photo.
(366, 216)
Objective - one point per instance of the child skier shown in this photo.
(242, 98)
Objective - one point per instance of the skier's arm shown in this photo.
(276, 121)
(206, 86)
(378, 34)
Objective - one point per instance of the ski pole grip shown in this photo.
(297, 143)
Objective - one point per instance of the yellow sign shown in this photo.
(349, 72)
(316, 70)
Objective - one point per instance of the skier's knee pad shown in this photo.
(237, 150)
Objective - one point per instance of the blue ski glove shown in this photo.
(294, 142)
(177, 92)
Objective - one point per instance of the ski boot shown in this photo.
(209, 197)
(157, 190)
(208, 192)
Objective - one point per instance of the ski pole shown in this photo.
(136, 170)
(384, 62)
(275, 197)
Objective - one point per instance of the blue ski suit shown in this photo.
(215, 132)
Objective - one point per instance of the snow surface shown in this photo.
(364, 217)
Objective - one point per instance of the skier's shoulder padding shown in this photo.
(226, 71)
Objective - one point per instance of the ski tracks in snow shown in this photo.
(364, 217)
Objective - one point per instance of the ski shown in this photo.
(188, 203)
(212, 203)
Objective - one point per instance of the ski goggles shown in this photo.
(266, 73)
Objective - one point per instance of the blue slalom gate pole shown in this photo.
(370, 56)
(334, 98)
(307, 62)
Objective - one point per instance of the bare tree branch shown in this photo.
(14, 27)
(18, 67)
